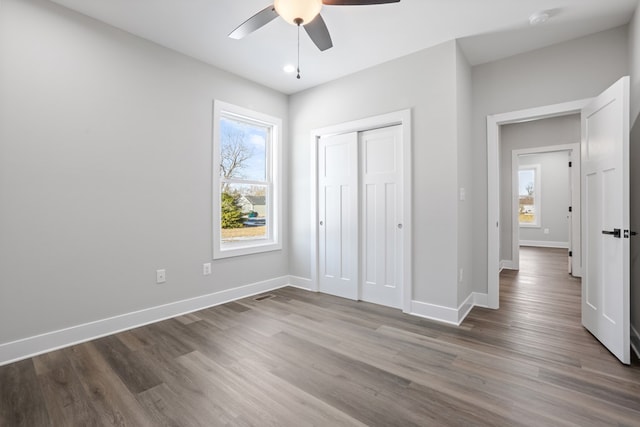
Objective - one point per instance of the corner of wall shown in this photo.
(634, 158)
(464, 177)
(633, 36)
(635, 341)
(634, 182)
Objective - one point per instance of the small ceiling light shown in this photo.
(289, 68)
(539, 18)
(298, 12)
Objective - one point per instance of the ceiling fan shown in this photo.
(304, 13)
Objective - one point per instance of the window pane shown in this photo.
(243, 213)
(527, 194)
(243, 150)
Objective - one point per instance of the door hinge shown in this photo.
(570, 253)
(570, 164)
(570, 208)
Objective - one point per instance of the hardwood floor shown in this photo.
(298, 358)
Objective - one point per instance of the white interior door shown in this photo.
(338, 215)
(381, 216)
(605, 225)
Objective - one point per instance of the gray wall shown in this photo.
(634, 161)
(569, 71)
(555, 198)
(105, 172)
(533, 134)
(426, 83)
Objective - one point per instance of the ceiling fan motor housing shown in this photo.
(297, 12)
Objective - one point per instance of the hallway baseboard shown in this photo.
(452, 316)
(544, 244)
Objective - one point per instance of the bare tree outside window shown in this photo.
(235, 151)
(529, 189)
(528, 196)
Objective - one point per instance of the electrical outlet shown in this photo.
(461, 275)
(463, 194)
(546, 231)
(161, 276)
(206, 268)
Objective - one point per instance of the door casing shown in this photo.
(403, 118)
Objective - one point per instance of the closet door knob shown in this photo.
(400, 226)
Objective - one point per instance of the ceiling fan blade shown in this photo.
(258, 20)
(319, 33)
(356, 2)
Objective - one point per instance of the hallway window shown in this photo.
(529, 196)
(246, 184)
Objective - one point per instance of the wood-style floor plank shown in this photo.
(306, 359)
(21, 400)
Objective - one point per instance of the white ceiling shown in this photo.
(363, 36)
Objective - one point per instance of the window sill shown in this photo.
(234, 249)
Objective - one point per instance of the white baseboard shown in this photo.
(480, 300)
(32, 346)
(635, 341)
(434, 312)
(452, 316)
(465, 308)
(506, 264)
(300, 282)
(475, 299)
(544, 244)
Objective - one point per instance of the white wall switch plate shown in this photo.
(161, 276)
(206, 268)
(463, 194)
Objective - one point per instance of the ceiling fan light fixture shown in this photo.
(294, 11)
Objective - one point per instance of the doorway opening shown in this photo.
(545, 202)
(494, 124)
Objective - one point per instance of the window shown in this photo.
(529, 196)
(246, 181)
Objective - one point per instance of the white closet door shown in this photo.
(381, 216)
(338, 215)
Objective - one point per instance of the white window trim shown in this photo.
(537, 201)
(273, 241)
